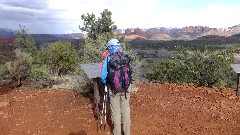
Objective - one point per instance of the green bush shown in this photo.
(67, 82)
(40, 76)
(2, 72)
(93, 48)
(61, 56)
(203, 68)
(25, 41)
(18, 68)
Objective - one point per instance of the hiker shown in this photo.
(119, 96)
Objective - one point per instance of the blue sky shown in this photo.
(64, 16)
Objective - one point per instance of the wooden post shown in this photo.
(93, 72)
(236, 68)
(96, 96)
(238, 84)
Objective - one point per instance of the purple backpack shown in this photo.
(119, 72)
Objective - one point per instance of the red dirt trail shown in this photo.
(156, 109)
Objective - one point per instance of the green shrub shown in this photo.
(40, 76)
(18, 68)
(74, 82)
(2, 72)
(203, 68)
(25, 41)
(93, 48)
(61, 56)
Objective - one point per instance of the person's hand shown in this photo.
(133, 88)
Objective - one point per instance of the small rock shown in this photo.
(232, 97)
(4, 104)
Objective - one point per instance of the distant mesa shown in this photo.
(158, 33)
(7, 41)
(135, 37)
(8, 36)
(185, 33)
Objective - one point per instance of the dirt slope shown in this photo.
(156, 109)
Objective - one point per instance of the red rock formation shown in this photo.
(7, 41)
(128, 32)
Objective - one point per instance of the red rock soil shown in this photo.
(156, 109)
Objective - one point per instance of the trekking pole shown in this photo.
(104, 110)
(102, 114)
(105, 107)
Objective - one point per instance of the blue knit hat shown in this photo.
(113, 46)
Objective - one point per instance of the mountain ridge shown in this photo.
(156, 33)
(186, 33)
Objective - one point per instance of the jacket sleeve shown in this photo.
(104, 71)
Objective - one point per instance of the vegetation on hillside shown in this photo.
(61, 57)
(17, 70)
(206, 68)
(25, 41)
(37, 67)
(197, 44)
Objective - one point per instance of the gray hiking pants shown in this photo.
(120, 110)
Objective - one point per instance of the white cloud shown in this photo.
(219, 16)
(63, 16)
(212, 16)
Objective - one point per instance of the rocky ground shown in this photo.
(156, 109)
